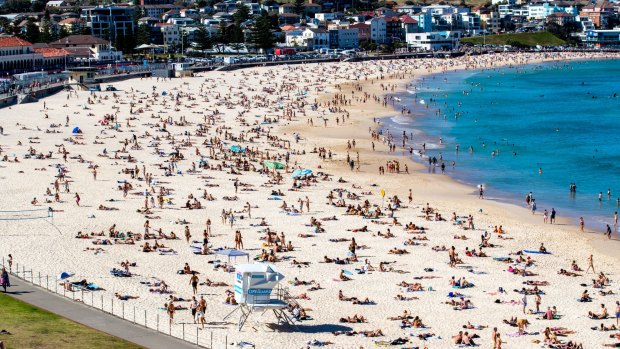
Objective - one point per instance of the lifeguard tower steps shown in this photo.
(278, 305)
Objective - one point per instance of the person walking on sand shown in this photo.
(617, 313)
(188, 235)
(498, 343)
(591, 264)
(238, 240)
(582, 223)
(170, 309)
(552, 217)
(77, 199)
(194, 282)
(10, 263)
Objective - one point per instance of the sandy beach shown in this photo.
(151, 148)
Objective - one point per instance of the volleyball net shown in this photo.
(19, 215)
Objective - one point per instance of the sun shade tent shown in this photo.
(233, 253)
(301, 173)
(273, 165)
(76, 129)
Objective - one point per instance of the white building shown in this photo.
(171, 34)
(324, 17)
(295, 38)
(315, 39)
(434, 41)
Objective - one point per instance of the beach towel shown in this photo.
(536, 252)
(93, 287)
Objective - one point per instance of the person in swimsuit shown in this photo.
(194, 282)
(170, 309)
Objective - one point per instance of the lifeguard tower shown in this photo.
(257, 290)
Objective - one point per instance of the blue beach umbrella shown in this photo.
(65, 275)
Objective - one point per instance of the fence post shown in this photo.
(31, 277)
(39, 278)
(23, 272)
(226, 342)
(134, 314)
(112, 306)
(102, 303)
(92, 299)
(183, 324)
(157, 322)
(17, 269)
(123, 307)
(145, 319)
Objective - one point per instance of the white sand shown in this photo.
(52, 248)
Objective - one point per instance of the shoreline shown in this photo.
(462, 177)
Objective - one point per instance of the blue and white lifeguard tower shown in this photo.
(257, 288)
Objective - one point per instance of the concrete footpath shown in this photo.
(90, 317)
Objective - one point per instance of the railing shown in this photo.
(109, 304)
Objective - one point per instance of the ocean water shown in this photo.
(549, 125)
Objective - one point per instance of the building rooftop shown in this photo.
(80, 40)
(50, 52)
(12, 41)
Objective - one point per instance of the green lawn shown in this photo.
(517, 39)
(32, 327)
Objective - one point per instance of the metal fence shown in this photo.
(155, 320)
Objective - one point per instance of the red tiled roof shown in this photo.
(12, 41)
(406, 19)
(69, 21)
(49, 52)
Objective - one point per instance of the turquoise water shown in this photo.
(562, 119)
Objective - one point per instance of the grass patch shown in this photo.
(517, 39)
(32, 327)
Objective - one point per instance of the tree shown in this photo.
(32, 32)
(298, 7)
(137, 14)
(235, 34)
(222, 33)
(38, 6)
(63, 32)
(236, 46)
(143, 35)
(261, 36)
(242, 14)
(203, 39)
(120, 42)
(46, 31)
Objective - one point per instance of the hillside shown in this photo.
(517, 39)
